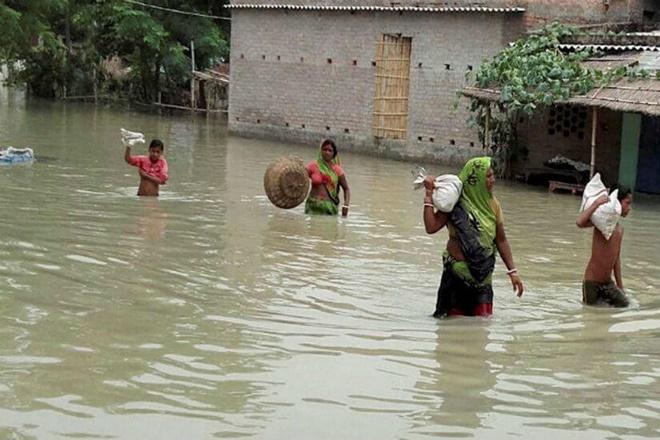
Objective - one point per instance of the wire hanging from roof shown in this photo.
(177, 11)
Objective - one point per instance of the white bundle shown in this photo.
(448, 188)
(606, 216)
(11, 151)
(131, 137)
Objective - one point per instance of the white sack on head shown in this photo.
(447, 190)
(607, 215)
(131, 137)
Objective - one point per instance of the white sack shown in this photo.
(447, 190)
(131, 137)
(606, 216)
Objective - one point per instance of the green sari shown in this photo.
(476, 200)
(460, 292)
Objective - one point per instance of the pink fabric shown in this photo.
(158, 169)
(318, 177)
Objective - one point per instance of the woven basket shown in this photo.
(286, 182)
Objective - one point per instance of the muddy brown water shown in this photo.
(209, 313)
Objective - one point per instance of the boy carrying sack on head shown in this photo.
(152, 168)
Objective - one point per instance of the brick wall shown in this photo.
(300, 76)
(539, 12)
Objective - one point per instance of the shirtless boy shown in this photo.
(152, 168)
(597, 287)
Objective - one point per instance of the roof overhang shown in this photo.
(624, 95)
(478, 9)
(634, 95)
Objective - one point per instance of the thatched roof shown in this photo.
(635, 96)
(638, 95)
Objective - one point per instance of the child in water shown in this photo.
(597, 287)
(152, 168)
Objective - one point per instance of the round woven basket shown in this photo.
(286, 182)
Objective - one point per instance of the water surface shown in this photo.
(209, 313)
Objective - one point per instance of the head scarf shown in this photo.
(476, 199)
(332, 180)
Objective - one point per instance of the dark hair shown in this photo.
(332, 144)
(157, 143)
(624, 191)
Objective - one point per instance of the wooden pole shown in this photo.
(594, 125)
(96, 97)
(192, 78)
(487, 127)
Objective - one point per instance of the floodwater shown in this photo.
(209, 313)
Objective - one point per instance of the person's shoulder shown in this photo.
(618, 230)
(339, 171)
(497, 209)
(495, 204)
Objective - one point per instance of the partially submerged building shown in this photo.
(382, 77)
(614, 128)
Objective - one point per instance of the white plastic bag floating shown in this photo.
(607, 215)
(14, 155)
(448, 188)
(131, 137)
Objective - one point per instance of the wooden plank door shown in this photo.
(392, 87)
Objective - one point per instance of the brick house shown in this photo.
(615, 128)
(381, 77)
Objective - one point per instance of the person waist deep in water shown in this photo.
(476, 230)
(327, 178)
(152, 168)
(597, 286)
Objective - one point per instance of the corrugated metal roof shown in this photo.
(617, 47)
(613, 61)
(649, 61)
(481, 9)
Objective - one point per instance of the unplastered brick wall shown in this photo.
(302, 75)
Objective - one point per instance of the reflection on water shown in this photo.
(208, 313)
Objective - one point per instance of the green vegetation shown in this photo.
(532, 73)
(118, 47)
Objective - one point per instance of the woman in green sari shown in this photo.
(327, 178)
(476, 231)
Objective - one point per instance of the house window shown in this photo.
(567, 121)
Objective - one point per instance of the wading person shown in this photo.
(152, 168)
(327, 178)
(476, 230)
(597, 286)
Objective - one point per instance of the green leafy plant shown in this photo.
(531, 74)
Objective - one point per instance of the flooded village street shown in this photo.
(210, 313)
